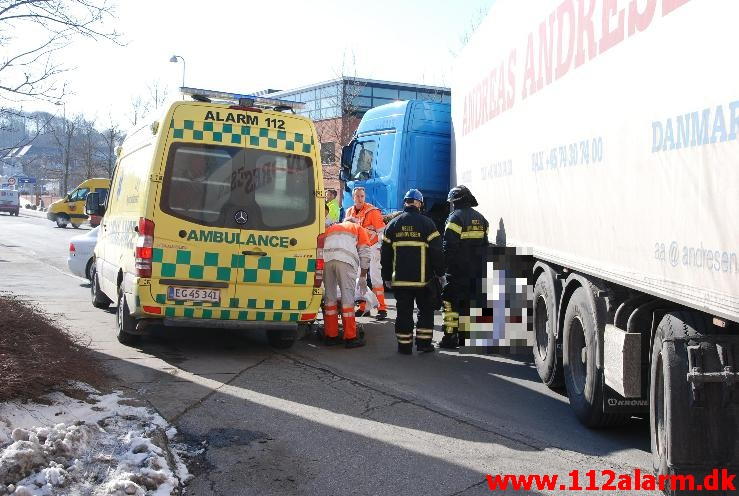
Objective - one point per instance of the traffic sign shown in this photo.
(11, 181)
(27, 180)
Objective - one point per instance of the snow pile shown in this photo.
(101, 445)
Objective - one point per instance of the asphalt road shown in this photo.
(326, 421)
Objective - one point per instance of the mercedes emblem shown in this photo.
(240, 217)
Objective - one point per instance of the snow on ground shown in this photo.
(100, 445)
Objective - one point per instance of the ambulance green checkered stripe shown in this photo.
(213, 266)
(245, 315)
(238, 134)
(239, 303)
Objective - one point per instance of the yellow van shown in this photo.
(71, 208)
(213, 220)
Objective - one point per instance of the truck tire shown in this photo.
(99, 299)
(126, 323)
(282, 339)
(689, 435)
(16, 212)
(62, 221)
(583, 378)
(545, 324)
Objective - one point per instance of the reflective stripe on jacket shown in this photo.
(369, 216)
(465, 244)
(411, 250)
(347, 242)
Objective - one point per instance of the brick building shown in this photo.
(338, 105)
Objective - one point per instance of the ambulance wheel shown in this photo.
(282, 339)
(99, 300)
(126, 323)
(61, 221)
(545, 323)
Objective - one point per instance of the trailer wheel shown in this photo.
(583, 378)
(691, 432)
(545, 322)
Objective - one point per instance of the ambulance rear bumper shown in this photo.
(225, 324)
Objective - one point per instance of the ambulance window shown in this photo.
(211, 185)
(285, 194)
(199, 181)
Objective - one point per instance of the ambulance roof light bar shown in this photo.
(242, 100)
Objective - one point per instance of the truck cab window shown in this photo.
(364, 154)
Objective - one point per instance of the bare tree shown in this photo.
(64, 132)
(157, 94)
(29, 70)
(112, 135)
(32, 32)
(88, 148)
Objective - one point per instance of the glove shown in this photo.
(389, 284)
(442, 281)
(361, 286)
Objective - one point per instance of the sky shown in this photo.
(245, 46)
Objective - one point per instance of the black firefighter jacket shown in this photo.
(411, 250)
(465, 249)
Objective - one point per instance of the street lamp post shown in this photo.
(174, 59)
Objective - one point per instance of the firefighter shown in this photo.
(370, 217)
(411, 257)
(346, 250)
(465, 247)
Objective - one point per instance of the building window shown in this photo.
(362, 102)
(385, 93)
(376, 102)
(328, 151)
(407, 95)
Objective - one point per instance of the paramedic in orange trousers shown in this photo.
(346, 250)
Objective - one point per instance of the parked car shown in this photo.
(9, 201)
(81, 252)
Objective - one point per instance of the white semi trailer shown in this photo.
(601, 136)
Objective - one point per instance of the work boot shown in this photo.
(362, 310)
(405, 349)
(449, 342)
(354, 343)
(424, 346)
(381, 315)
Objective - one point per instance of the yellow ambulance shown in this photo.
(213, 220)
(71, 208)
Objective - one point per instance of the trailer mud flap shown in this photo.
(706, 414)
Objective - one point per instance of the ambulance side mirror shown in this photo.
(93, 205)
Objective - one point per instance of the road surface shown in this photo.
(326, 421)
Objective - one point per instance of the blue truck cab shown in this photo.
(399, 146)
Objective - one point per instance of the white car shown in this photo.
(81, 250)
